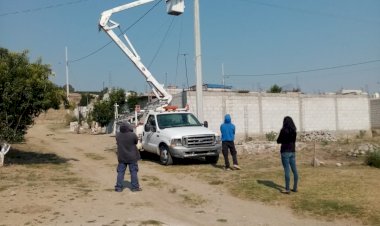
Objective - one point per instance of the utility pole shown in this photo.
(223, 77)
(198, 61)
(187, 78)
(67, 75)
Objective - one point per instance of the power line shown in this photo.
(42, 8)
(178, 50)
(90, 54)
(305, 71)
(123, 31)
(162, 42)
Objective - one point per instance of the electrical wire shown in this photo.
(304, 71)
(162, 42)
(42, 8)
(123, 31)
(178, 51)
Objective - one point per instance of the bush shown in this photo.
(70, 118)
(361, 134)
(271, 136)
(373, 159)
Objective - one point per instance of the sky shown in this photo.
(316, 46)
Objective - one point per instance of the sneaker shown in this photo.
(136, 189)
(237, 167)
(118, 189)
(287, 192)
(227, 168)
(294, 190)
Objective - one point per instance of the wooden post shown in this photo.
(315, 156)
(1, 159)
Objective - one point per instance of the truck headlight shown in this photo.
(218, 140)
(176, 142)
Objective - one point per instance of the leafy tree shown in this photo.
(296, 90)
(104, 91)
(132, 100)
(103, 112)
(26, 91)
(275, 89)
(85, 99)
(117, 96)
(71, 88)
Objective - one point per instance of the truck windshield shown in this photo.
(177, 120)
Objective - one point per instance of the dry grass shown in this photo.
(151, 222)
(329, 191)
(94, 156)
(153, 181)
(27, 168)
(193, 200)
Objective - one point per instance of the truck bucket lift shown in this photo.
(174, 7)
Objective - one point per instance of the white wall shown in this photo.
(318, 113)
(260, 113)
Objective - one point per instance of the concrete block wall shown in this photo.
(260, 113)
(375, 113)
(353, 114)
(275, 107)
(318, 113)
(244, 110)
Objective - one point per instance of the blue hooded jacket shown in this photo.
(227, 129)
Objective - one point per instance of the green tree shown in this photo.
(71, 88)
(132, 100)
(117, 95)
(101, 94)
(26, 91)
(275, 89)
(103, 112)
(85, 99)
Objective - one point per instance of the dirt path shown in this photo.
(165, 200)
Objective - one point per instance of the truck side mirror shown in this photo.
(205, 123)
(147, 128)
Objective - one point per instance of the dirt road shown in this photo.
(165, 199)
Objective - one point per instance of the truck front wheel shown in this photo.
(165, 156)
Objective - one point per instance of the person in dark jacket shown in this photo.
(127, 154)
(287, 139)
(228, 136)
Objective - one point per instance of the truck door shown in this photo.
(149, 136)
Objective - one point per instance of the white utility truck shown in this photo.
(167, 131)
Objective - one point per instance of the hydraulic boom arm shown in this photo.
(174, 7)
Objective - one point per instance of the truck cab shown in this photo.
(178, 135)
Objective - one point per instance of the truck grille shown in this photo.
(199, 141)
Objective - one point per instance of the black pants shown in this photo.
(229, 145)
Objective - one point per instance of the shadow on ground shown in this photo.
(147, 156)
(271, 184)
(21, 157)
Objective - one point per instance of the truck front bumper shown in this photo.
(194, 152)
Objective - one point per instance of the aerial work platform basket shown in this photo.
(175, 7)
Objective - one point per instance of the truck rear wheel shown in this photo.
(165, 156)
(212, 159)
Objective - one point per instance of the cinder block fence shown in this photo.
(259, 113)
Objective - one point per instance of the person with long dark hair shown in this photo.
(287, 139)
